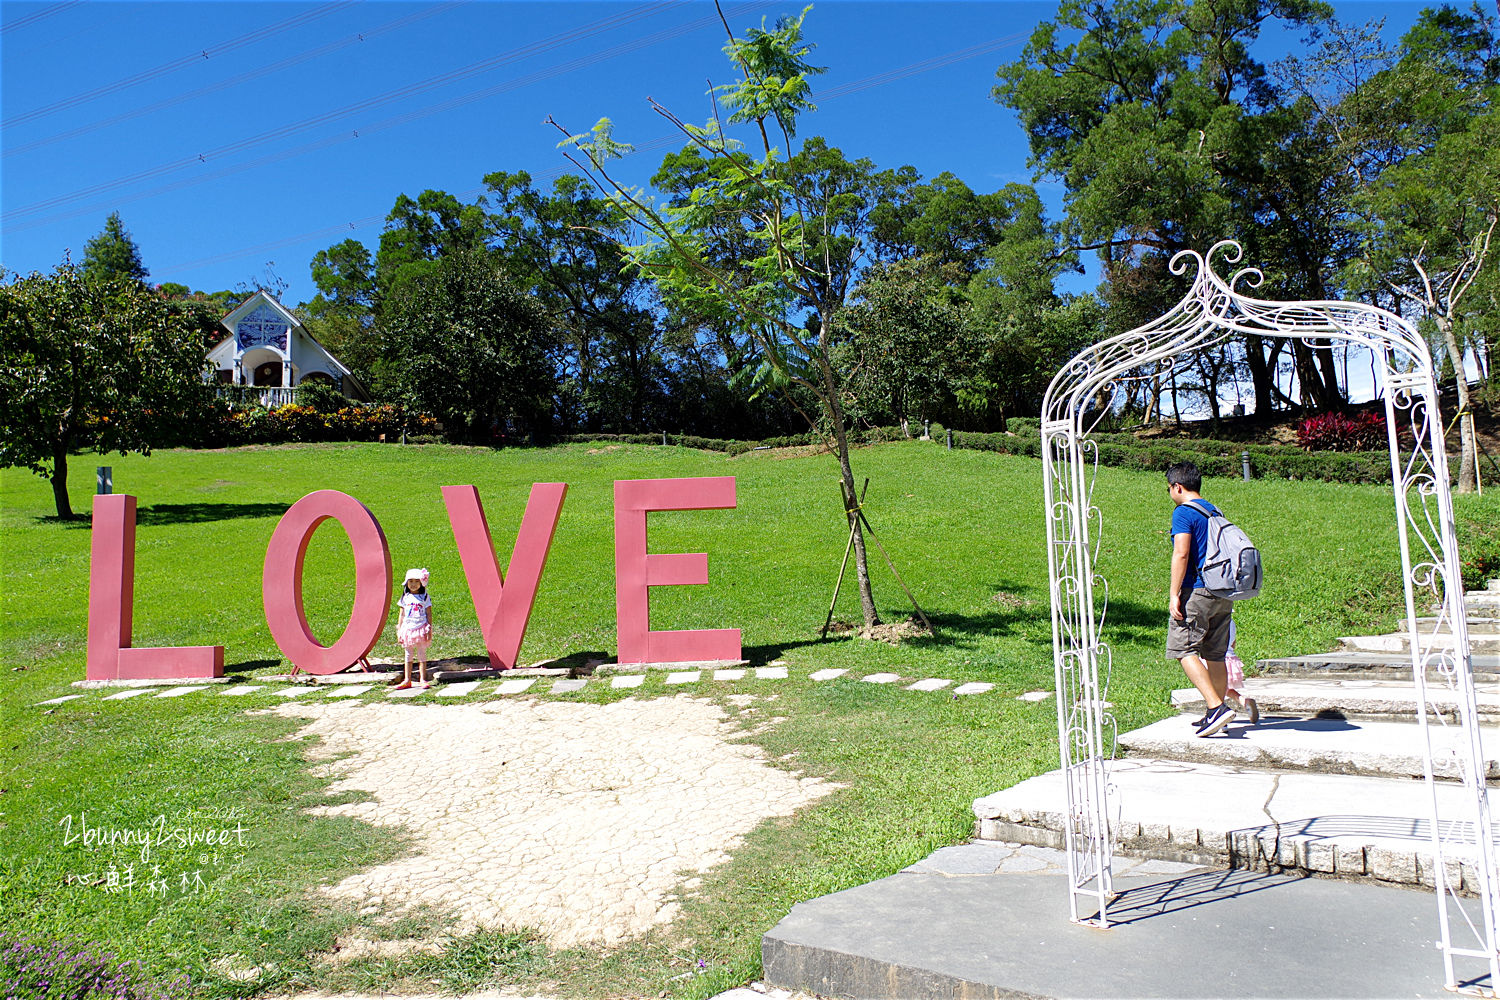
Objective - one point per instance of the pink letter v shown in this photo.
(504, 607)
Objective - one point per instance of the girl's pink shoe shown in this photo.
(403, 685)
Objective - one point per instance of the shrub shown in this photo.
(1477, 521)
(1342, 432)
(73, 970)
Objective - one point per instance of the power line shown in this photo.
(426, 11)
(660, 142)
(36, 16)
(248, 38)
(282, 132)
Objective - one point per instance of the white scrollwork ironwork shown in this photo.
(1084, 392)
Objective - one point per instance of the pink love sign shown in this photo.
(502, 600)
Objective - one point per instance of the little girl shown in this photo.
(414, 622)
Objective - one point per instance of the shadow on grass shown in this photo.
(1025, 610)
(176, 513)
(203, 513)
(249, 666)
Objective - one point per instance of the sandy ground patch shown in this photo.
(576, 820)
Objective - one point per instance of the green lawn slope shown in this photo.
(965, 529)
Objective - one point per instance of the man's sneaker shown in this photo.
(1200, 723)
(1217, 720)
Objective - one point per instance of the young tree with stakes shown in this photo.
(807, 215)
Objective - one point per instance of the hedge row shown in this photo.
(735, 447)
(1214, 458)
(228, 426)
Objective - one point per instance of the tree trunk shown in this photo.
(1260, 375)
(1466, 446)
(1329, 364)
(60, 483)
(851, 495)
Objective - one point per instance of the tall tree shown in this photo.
(1165, 132)
(460, 341)
(1416, 134)
(113, 254)
(807, 214)
(107, 365)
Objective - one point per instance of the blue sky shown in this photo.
(236, 136)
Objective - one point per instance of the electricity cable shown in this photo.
(247, 38)
(385, 124)
(327, 117)
(36, 16)
(426, 11)
(660, 142)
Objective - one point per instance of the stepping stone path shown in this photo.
(355, 685)
(1328, 783)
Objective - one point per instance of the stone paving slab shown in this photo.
(516, 686)
(350, 690)
(1345, 825)
(973, 687)
(565, 685)
(1343, 746)
(294, 692)
(242, 690)
(411, 692)
(929, 684)
(122, 695)
(1354, 696)
(680, 677)
(929, 934)
(827, 675)
(458, 690)
(59, 701)
(627, 681)
(880, 678)
(771, 673)
(737, 674)
(180, 690)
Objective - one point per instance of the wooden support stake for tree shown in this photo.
(925, 623)
(843, 566)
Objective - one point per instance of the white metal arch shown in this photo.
(1083, 392)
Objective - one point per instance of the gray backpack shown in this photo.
(1231, 564)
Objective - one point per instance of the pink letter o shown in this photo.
(281, 582)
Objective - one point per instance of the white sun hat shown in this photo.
(417, 574)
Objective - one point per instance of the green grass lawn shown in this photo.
(965, 529)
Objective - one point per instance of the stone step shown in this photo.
(1329, 746)
(1347, 663)
(1479, 625)
(1214, 814)
(1396, 642)
(1348, 696)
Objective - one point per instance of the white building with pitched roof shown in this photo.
(269, 350)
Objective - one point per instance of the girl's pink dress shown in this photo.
(414, 621)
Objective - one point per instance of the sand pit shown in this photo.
(575, 820)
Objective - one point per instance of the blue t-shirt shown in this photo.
(1188, 520)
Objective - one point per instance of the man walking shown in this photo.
(1198, 626)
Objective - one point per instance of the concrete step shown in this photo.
(1221, 815)
(1329, 746)
(1396, 642)
(1347, 663)
(1348, 696)
(1484, 625)
(967, 928)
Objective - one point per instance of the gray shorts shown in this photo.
(1203, 631)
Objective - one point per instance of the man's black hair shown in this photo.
(1186, 475)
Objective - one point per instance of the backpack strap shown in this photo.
(1201, 509)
